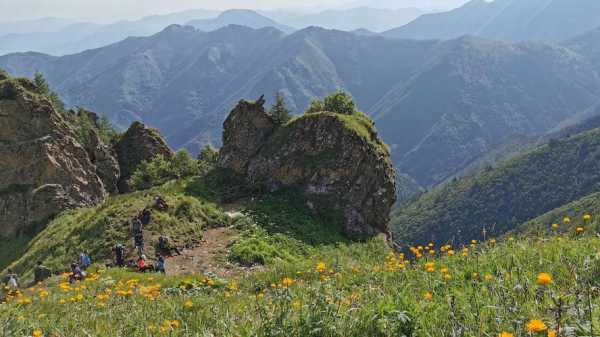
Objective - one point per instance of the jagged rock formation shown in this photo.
(43, 169)
(139, 143)
(337, 161)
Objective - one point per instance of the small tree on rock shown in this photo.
(340, 102)
(280, 111)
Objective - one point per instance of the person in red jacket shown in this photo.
(143, 265)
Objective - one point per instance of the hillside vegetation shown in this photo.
(497, 200)
(522, 287)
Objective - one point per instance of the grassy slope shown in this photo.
(275, 228)
(590, 204)
(502, 198)
(99, 228)
(362, 291)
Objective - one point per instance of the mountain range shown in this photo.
(439, 104)
(509, 20)
(63, 36)
(372, 19)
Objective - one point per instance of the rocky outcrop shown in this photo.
(101, 155)
(43, 168)
(337, 162)
(139, 143)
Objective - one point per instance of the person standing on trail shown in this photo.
(11, 281)
(119, 250)
(84, 260)
(160, 264)
(136, 226)
(138, 241)
(145, 217)
(41, 272)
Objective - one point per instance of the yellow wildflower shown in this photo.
(428, 295)
(286, 282)
(536, 325)
(544, 279)
(188, 304)
(37, 333)
(505, 334)
(551, 333)
(321, 267)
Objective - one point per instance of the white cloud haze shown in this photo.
(108, 10)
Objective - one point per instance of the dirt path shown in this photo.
(209, 257)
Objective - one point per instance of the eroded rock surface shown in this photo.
(139, 143)
(43, 169)
(337, 161)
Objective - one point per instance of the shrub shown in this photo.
(160, 170)
(340, 102)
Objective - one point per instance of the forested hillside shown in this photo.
(497, 200)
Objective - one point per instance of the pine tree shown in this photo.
(280, 111)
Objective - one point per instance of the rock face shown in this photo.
(43, 169)
(139, 143)
(337, 162)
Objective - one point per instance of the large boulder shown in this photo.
(138, 144)
(337, 161)
(43, 168)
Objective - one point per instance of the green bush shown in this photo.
(340, 102)
(160, 170)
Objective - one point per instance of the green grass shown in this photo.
(98, 229)
(575, 211)
(282, 228)
(362, 291)
(358, 123)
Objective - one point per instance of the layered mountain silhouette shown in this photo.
(240, 17)
(372, 19)
(510, 20)
(60, 36)
(439, 104)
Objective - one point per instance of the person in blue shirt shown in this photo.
(160, 264)
(84, 260)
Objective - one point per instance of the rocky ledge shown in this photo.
(336, 160)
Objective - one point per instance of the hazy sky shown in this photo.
(108, 10)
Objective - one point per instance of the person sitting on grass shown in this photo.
(160, 264)
(76, 273)
(143, 265)
(160, 204)
(165, 247)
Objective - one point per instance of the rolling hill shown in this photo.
(526, 20)
(439, 104)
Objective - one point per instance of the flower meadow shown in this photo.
(511, 286)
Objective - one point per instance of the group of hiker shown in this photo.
(77, 270)
(138, 224)
(41, 272)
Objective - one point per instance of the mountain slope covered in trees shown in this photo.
(497, 200)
